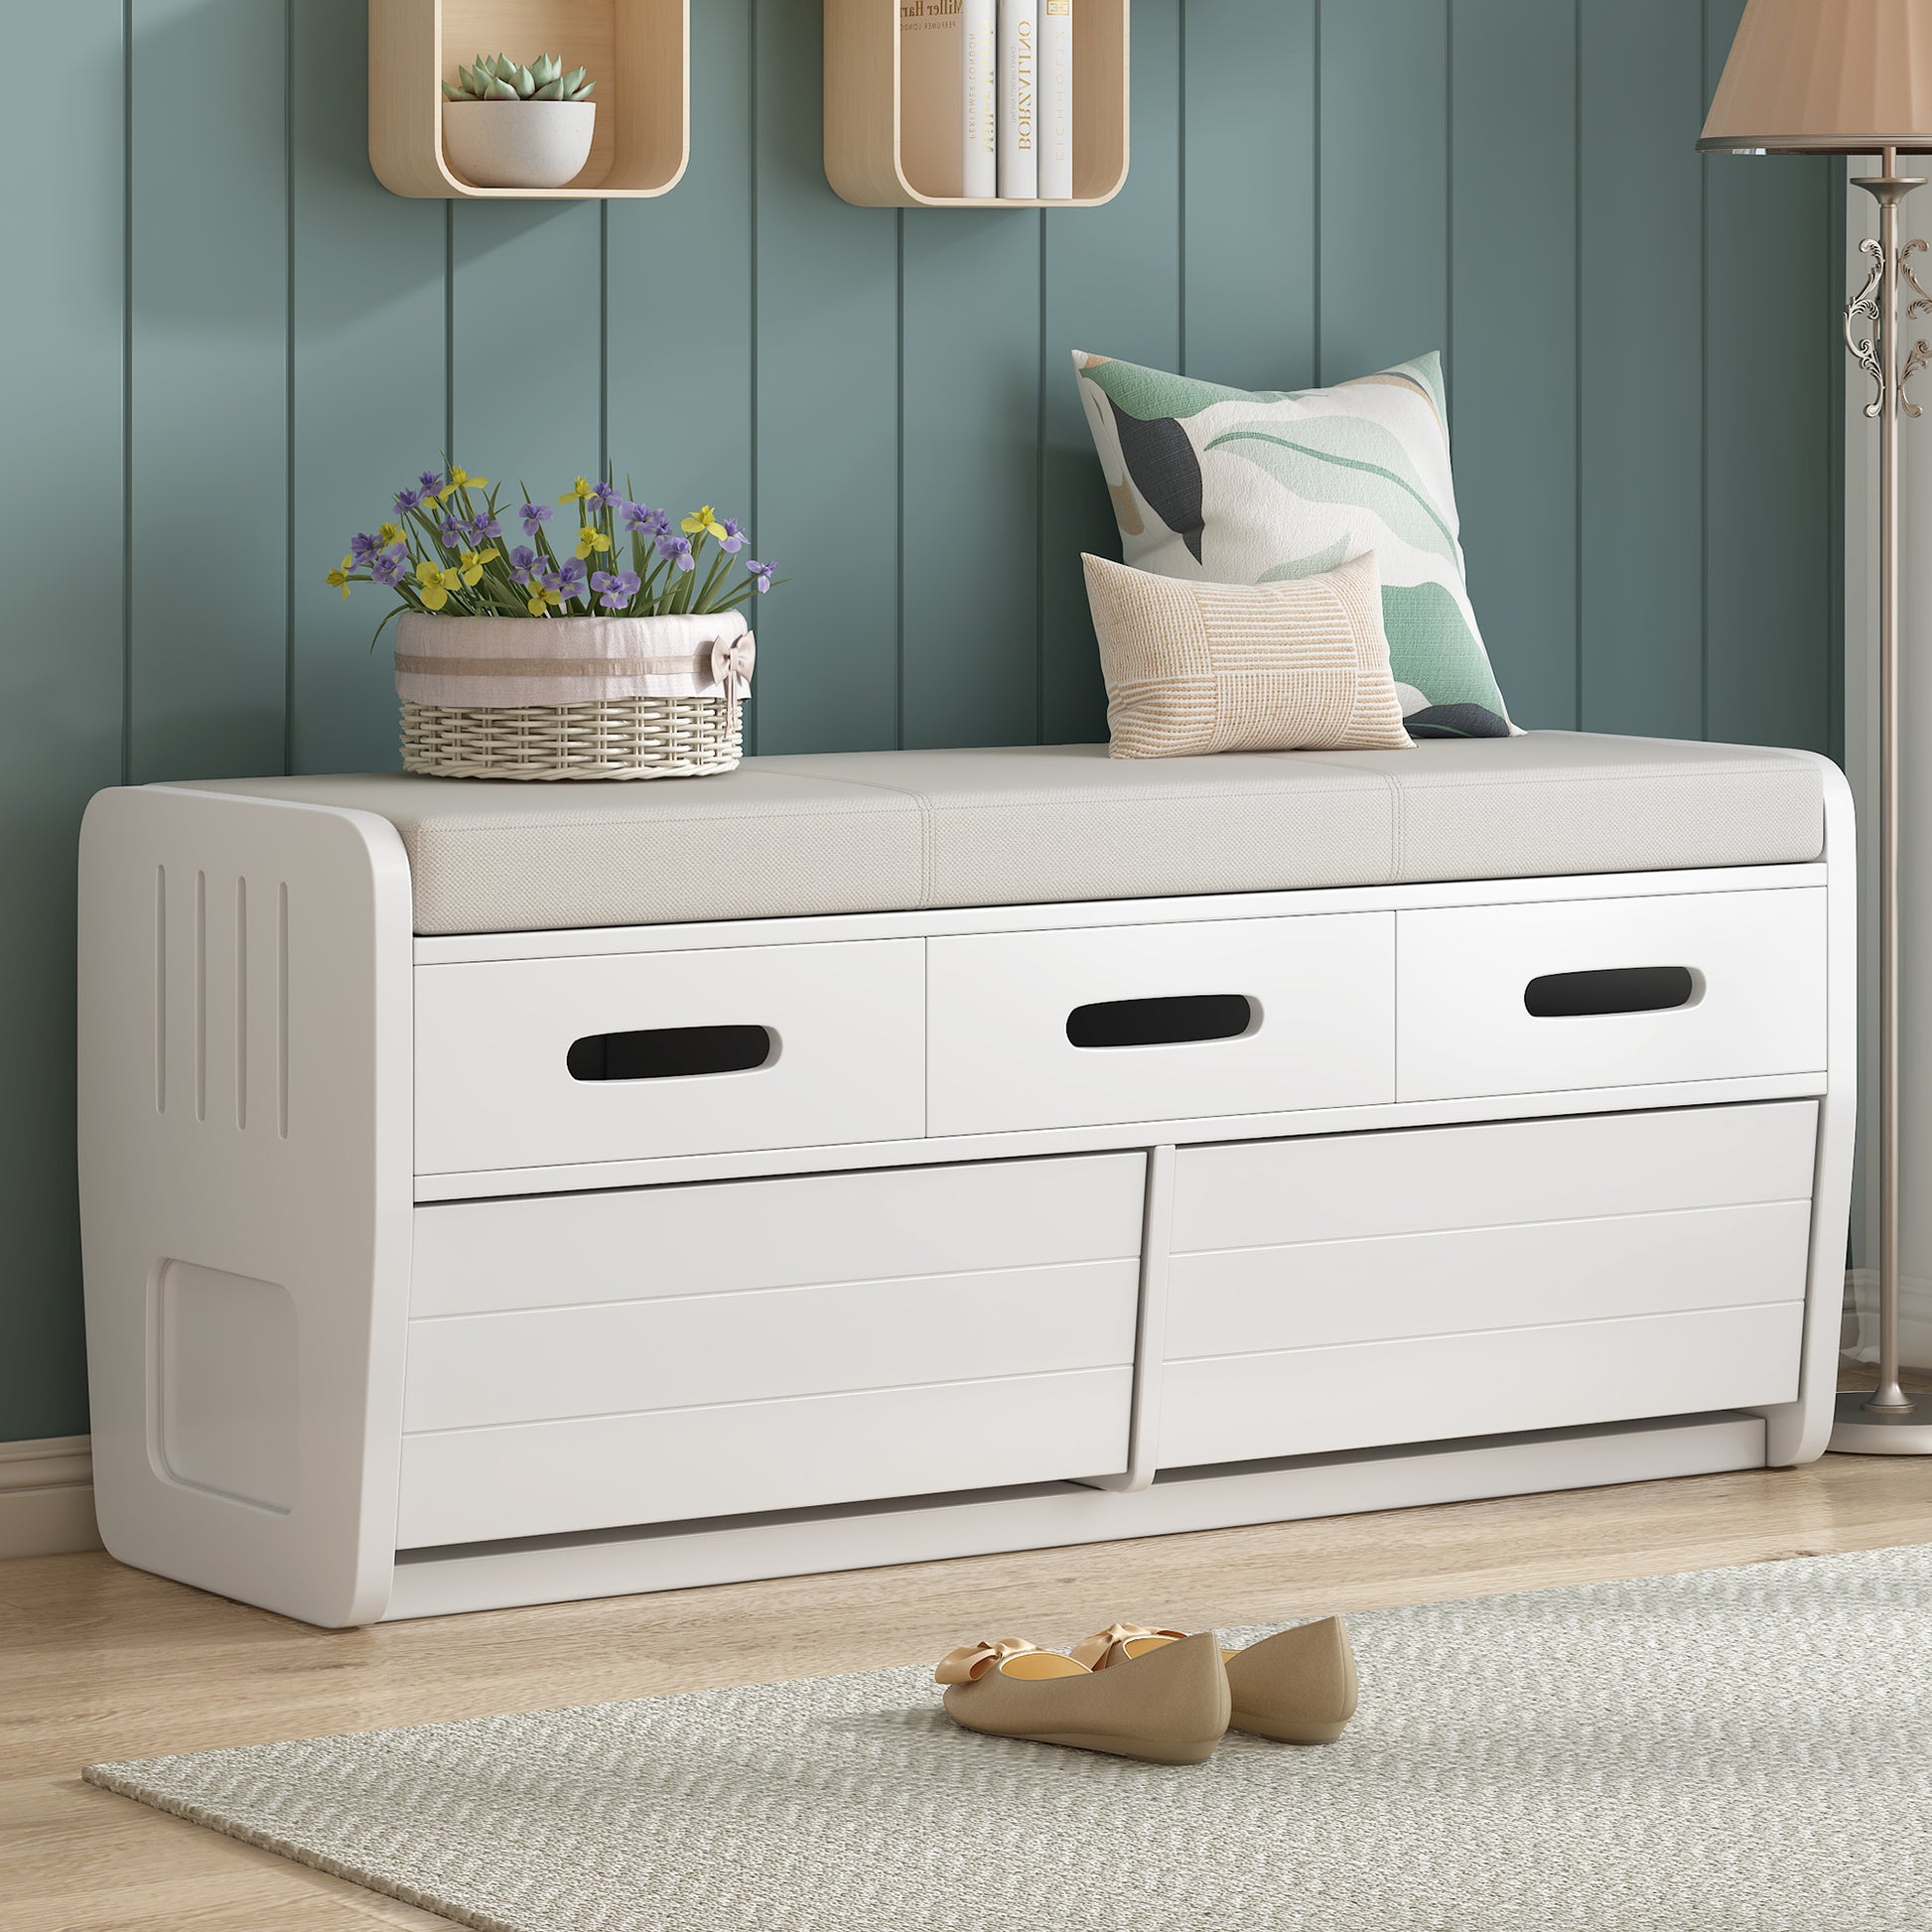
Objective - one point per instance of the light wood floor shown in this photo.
(101, 1662)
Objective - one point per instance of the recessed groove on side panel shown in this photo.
(241, 1004)
(161, 988)
(201, 996)
(282, 1008)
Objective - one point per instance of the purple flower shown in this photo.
(391, 566)
(635, 517)
(363, 549)
(453, 532)
(571, 579)
(604, 495)
(406, 501)
(484, 527)
(734, 537)
(523, 564)
(761, 573)
(676, 550)
(432, 483)
(616, 591)
(534, 514)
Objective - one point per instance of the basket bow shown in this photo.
(732, 659)
(1094, 1651)
(972, 1661)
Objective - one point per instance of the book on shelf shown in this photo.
(982, 98)
(933, 94)
(1019, 76)
(949, 97)
(1054, 100)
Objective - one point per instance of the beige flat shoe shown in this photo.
(1297, 1687)
(1171, 1708)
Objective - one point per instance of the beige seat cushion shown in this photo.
(888, 831)
(1193, 668)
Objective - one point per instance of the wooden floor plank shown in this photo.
(98, 1661)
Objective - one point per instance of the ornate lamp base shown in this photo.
(1859, 1431)
(1904, 1427)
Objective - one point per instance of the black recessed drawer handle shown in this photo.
(1170, 1022)
(1609, 989)
(671, 1053)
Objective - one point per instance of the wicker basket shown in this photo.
(572, 697)
(604, 738)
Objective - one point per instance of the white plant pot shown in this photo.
(518, 143)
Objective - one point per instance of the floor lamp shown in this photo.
(1855, 77)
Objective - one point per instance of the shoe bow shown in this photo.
(972, 1661)
(1094, 1651)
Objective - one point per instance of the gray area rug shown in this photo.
(1739, 1749)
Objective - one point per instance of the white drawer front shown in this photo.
(724, 1237)
(1246, 1300)
(1239, 1408)
(673, 1352)
(670, 1465)
(1318, 1025)
(1755, 962)
(1420, 1181)
(688, 1350)
(496, 1088)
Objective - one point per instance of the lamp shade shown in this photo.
(1826, 76)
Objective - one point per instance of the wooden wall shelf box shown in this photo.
(639, 53)
(862, 108)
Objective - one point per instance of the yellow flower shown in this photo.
(434, 585)
(538, 598)
(702, 521)
(339, 576)
(388, 533)
(589, 541)
(461, 479)
(474, 561)
(577, 492)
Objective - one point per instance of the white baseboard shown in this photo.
(1914, 1319)
(47, 1498)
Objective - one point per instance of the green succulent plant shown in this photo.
(503, 78)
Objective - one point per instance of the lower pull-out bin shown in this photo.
(1341, 1293)
(654, 1355)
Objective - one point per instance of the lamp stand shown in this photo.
(1889, 1420)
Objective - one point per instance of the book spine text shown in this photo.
(1056, 101)
(982, 98)
(933, 94)
(1019, 76)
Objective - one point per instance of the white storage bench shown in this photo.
(498, 1193)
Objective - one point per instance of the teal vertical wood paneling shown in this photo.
(827, 428)
(1384, 186)
(969, 487)
(1513, 324)
(60, 689)
(208, 443)
(1112, 288)
(678, 383)
(368, 374)
(526, 348)
(1640, 375)
(1768, 428)
(1645, 437)
(1248, 208)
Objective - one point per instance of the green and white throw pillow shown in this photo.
(1236, 487)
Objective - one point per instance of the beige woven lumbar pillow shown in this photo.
(1295, 666)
